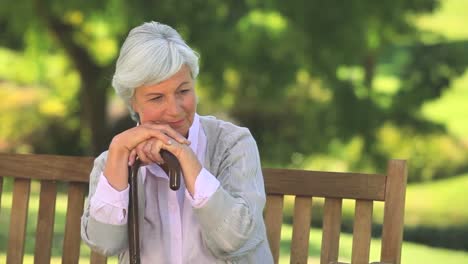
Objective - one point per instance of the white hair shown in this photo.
(152, 53)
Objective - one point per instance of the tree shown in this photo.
(298, 73)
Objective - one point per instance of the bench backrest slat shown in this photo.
(301, 228)
(331, 230)
(362, 231)
(46, 167)
(1, 190)
(273, 216)
(392, 229)
(97, 258)
(18, 220)
(325, 184)
(72, 236)
(45, 222)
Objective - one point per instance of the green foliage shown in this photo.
(302, 75)
(444, 156)
(451, 108)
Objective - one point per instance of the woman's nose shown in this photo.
(174, 107)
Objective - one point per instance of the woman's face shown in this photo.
(171, 102)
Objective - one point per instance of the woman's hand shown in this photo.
(124, 143)
(149, 152)
(133, 137)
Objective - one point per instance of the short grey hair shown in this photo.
(152, 53)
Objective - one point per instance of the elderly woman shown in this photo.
(216, 215)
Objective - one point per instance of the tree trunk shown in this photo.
(93, 100)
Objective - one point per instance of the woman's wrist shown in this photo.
(116, 169)
(191, 168)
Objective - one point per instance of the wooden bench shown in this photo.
(334, 187)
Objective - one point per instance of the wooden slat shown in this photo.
(1, 191)
(325, 184)
(45, 222)
(273, 222)
(331, 230)
(72, 237)
(46, 167)
(301, 229)
(19, 218)
(392, 230)
(97, 258)
(362, 232)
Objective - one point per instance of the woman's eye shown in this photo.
(184, 91)
(157, 98)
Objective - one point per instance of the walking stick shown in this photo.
(133, 228)
(174, 171)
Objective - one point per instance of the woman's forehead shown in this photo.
(182, 77)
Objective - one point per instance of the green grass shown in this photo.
(439, 203)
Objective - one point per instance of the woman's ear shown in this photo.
(137, 116)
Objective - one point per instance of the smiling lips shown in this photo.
(177, 123)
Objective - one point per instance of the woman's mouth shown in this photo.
(177, 123)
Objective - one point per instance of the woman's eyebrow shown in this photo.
(152, 94)
(156, 93)
(180, 85)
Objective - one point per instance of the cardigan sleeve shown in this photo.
(231, 220)
(107, 239)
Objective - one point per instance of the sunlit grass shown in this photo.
(438, 203)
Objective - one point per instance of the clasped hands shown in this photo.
(146, 142)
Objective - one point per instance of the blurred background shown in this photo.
(322, 85)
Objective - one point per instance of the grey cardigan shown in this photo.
(231, 221)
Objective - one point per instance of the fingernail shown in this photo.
(169, 142)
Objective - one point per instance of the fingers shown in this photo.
(148, 151)
(166, 133)
(142, 141)
(132, 157)
(142, 155)
(152, 150)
